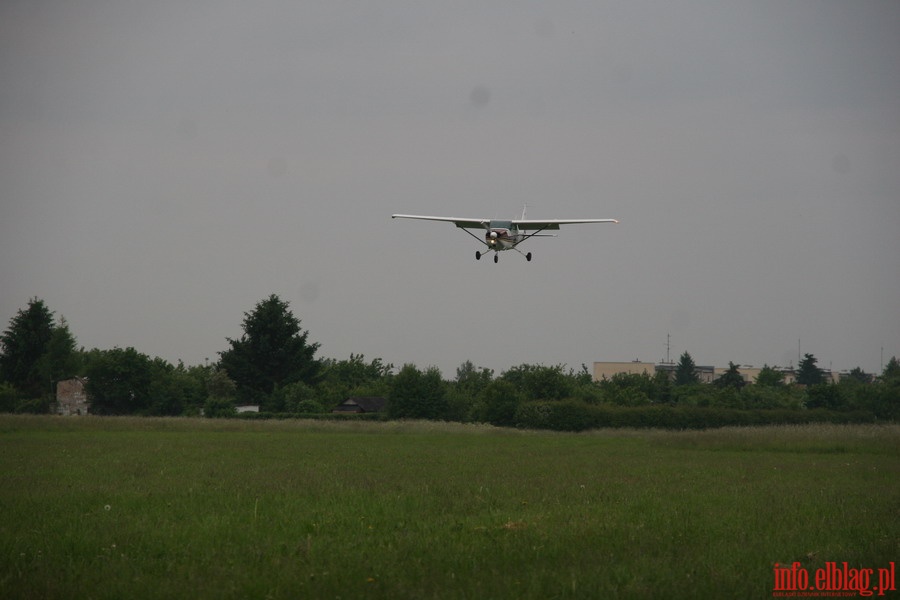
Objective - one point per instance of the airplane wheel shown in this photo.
(528, 257)
(496, 258)
(477, 255)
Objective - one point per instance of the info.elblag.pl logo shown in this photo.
(832, 580)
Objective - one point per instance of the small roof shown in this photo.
(364, 403)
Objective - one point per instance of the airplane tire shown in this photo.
(477, 255)
(496, 258)
(528, 257)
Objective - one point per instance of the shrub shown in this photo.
(34, 406)
(571, 415)
(309, 406)
(216, 407)
(9, 397)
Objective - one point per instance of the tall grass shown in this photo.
(115, 508)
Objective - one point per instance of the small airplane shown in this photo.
(505, 235)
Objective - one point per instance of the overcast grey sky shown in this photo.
(164, 166)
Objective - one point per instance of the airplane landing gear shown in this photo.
(479, 254)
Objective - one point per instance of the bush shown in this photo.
(499, 402)
(571, 415)
(9, 397)
(216, 407)
(322, 416)
(309, 406)
(564, 415)
(34, 406)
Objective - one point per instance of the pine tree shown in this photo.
(61, 359)
(891, 370)
(731, 378)
(24, 343)
(273, 352)
(808, 373)
(686, 371)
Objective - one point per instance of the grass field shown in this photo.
(171, 508)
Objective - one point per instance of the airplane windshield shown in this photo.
(501, 224)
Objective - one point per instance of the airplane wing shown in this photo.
(523, 224)
(526, 224)
(463, 223)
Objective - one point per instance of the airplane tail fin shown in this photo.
(524, 209)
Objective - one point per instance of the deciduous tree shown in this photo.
(499, 401)
(888, 395)
(857, 375)
(119, 381)
(341, 379)
(471, 379)
(417, 394)
(220, 394)
(770, 377)
(463, 394)
(538, 382)
(174, 390)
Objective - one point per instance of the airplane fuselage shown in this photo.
(502, 235)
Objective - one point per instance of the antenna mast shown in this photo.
(668, 346)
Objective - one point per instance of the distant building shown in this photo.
(748, 373)
(706, 374)
(790, 375)
(247, 408)
(605, 370)
(71, 398)
(364, 404)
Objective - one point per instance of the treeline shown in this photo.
(274, 365)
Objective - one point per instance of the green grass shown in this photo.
(135, 508)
